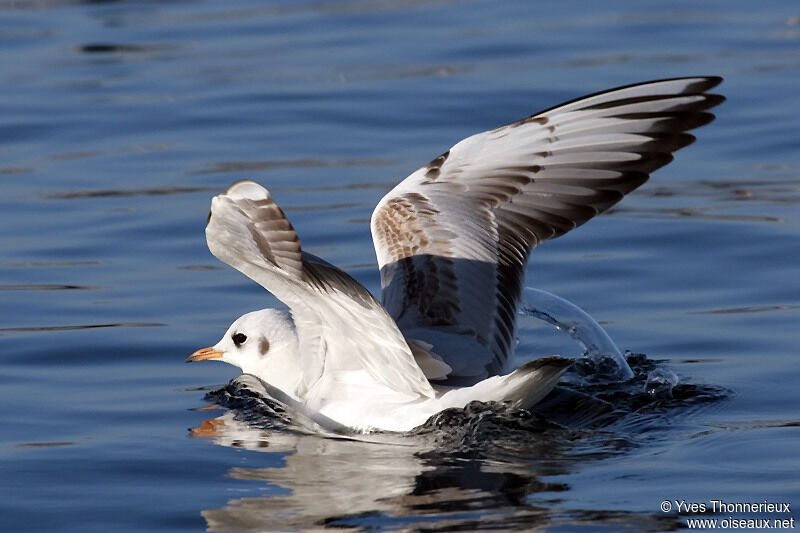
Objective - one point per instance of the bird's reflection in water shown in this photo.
(352, 486)
(325, 478)
(484, 467)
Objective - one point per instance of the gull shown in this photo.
(452, 242)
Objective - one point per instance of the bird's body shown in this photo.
(452, 242)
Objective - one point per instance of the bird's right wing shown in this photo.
(340, 324)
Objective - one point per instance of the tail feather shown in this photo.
(524, 387)
(531, 382)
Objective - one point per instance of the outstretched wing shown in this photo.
(339, 323)
(453, 238)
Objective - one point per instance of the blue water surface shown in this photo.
(120, 120)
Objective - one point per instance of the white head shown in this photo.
(263, 343)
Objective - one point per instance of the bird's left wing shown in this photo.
(340, 324)
(453, 238)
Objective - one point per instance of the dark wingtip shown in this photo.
(713, 100)
(703, 83)
(713, 81)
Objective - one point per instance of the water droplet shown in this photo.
(660, 383)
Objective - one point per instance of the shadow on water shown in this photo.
(484, 467)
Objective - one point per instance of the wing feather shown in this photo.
(453, 238)
(340, 324)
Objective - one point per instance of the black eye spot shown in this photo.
(239, 339)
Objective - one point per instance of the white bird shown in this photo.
(452, 242)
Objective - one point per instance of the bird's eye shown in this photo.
(239, 339)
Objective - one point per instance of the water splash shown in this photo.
(608, 362)
(660, 383)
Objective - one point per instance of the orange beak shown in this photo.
(204, 353)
